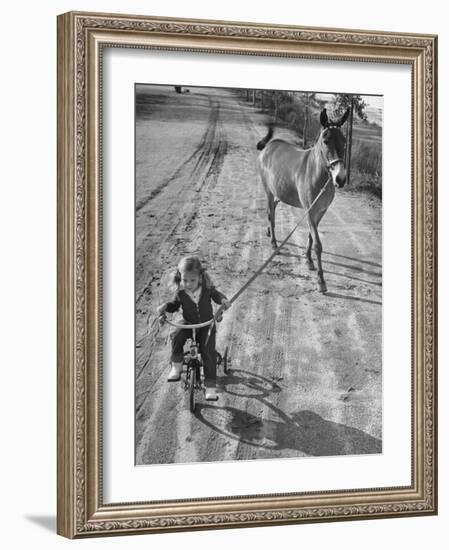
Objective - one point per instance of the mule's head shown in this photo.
(332, 144)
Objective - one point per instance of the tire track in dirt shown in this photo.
(216, 416)
(204, 173)
(243, 409)
(247, 410)
(156, 447)
(184, 175)
(262, 433)
(244, 254)
(355, 390)
(254, 256)
(192, 162)
(258, 436)
(244, 413)
(292, 221)
(206, 168)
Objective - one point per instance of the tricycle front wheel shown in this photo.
(225, 360)
(192, 389)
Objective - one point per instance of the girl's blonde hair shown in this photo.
(189, 264)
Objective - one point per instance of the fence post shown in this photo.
(305, 129)
(349, 144)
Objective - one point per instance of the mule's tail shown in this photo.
(266, 139)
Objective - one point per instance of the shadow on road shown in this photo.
(256, 385)
(326, 253)
(303, 431)
(355, 298)
(354, 268)
(345, 275)
(339, 264)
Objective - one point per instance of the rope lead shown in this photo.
(268, 260)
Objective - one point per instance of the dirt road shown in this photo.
(306, 372)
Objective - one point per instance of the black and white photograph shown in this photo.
(258, 274)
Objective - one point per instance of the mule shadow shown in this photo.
(354, 268)
(354, 298)
(303, 431)
(325, 252)
(352, 278)
(300, 258)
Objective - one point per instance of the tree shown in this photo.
(342, 102)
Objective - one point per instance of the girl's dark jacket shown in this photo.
(192, 312)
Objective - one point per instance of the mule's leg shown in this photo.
(309, 252)
(317, 246)
(272, 203)
(269, 223)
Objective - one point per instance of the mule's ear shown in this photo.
(344, 117)
(323, 118)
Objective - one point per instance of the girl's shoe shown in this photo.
(211, 394)
(175, 372)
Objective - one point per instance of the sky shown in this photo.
(374, 106)
(375, 101)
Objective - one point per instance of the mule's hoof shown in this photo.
(323, 288)
(311, 265)
(268, 232)
(274, 245)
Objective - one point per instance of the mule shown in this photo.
(296, 176)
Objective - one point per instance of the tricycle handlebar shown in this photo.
(197, 325)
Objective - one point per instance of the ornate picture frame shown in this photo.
(82, 39)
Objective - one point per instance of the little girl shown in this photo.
(194, 291)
